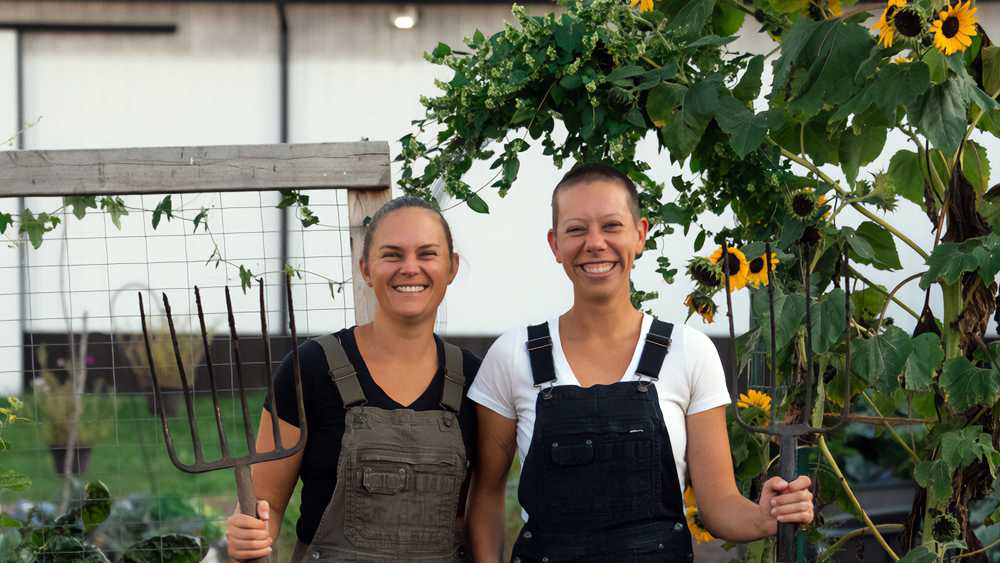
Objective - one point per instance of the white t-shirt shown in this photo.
(691, 381)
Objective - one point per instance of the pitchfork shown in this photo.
(244, 480)
(789, 433)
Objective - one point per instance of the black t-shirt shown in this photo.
(325, 414)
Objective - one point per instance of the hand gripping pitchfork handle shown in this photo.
(244, 480)
(789, 433)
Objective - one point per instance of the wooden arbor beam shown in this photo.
(362, 168)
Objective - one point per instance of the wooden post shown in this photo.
(361, 205)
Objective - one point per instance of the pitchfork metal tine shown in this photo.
(188, 402)
(223, 443)
(247, 426)
(171, 451)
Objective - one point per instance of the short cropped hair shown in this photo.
(404, 202)
(586, 173)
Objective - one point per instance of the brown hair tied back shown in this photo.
(404, 202)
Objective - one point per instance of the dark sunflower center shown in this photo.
(732, 264)
(803, 205)
(705, 277)
(950, 27)
(756, 265)
(910, 24)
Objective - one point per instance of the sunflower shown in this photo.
(702, 304)
(736, 266)
(755, 398)
(901, 58)
(811, 236)
(695, 523)
(758, 271)
(885, 25)
(705, 272)
(834, 6)
(644, 5)
(909, 23)
(954, 28)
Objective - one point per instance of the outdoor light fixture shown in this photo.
(405, 16)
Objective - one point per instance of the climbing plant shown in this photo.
(782, 156)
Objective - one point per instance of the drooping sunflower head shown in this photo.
(805, 204)
(698, 302)
(705, 272)
(955, 27)
(885, 27)
(695, 522)
(811, 236)
(735, 265)
(758, 269)
(909, 22)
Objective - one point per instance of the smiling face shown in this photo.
(596, 238)
(409, 265)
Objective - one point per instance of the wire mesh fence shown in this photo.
(71, 342)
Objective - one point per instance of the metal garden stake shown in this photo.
(244, 480)
(789, 432)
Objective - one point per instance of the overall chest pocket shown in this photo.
(402, 499)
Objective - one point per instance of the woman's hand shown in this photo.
(249, 537)
(781, 501)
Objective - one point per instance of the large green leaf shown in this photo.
(173, 548)
(976, 166)
(935, 476)
(690, 19)
(940, 115)
(663, 101)
(794, 43)
(746, 130)
(861, 249)
(900, 85)
(727, 20)
(919, 554)
(830, 81)
(789, 309)
(881, 358)
(850, 155)
(963, 447)
(750, 83)
(883, 243)
(829, 319)
(905, 177)
(868, 302)
(950, 260)
(967, 385)
(925, 359)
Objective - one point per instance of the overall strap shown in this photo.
(655, 349)
(454, 378)
(342, 371)
(540, 353)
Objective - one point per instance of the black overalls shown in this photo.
(599, 482)
(399, 476)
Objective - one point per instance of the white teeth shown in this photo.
(598, 268)
(409, 288)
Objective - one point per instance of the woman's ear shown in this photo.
(364, 271)
(554, 245)
(454, 267)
